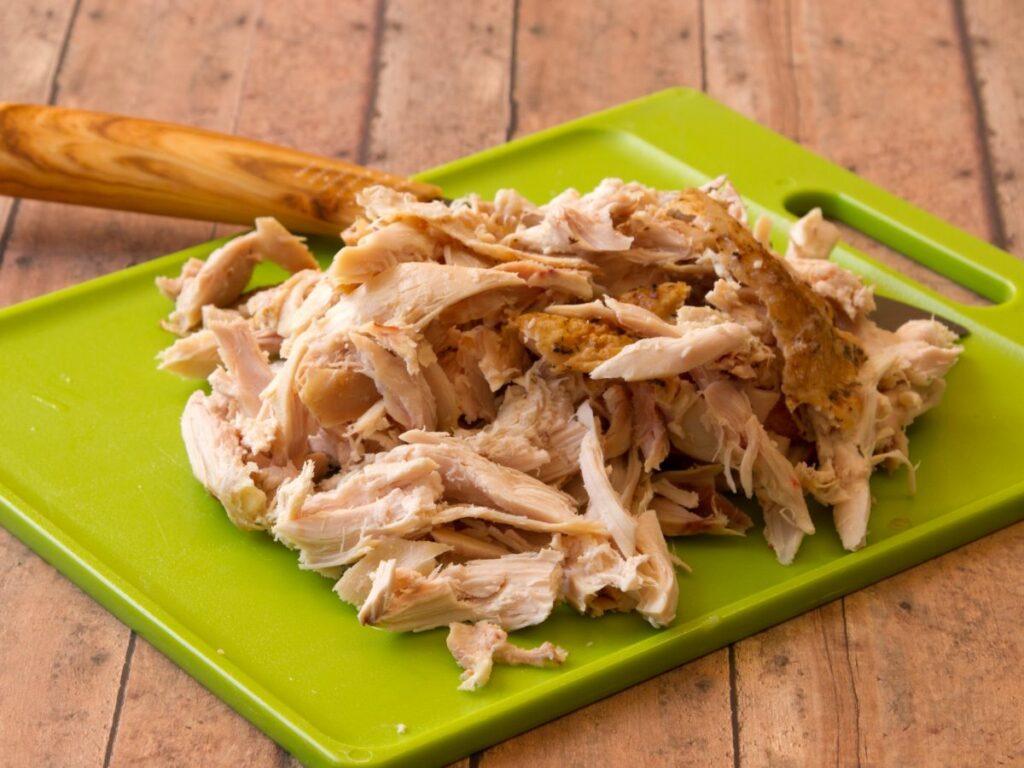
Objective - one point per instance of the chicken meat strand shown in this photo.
(481, 410)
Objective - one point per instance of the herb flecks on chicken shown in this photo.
(484, 409)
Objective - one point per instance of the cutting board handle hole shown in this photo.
(903, 249)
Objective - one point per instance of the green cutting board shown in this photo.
(94, 477)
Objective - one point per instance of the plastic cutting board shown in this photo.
(94, 477)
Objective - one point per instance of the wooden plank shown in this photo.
(575, 58)
(31, 40)
(993, 33)
(678, 718)
(930, 652)
(796, 704)
(60, 662)
(318, 100)
(909, 671)
(442, 89)
(168, 719)
(193, 57)
(60, 653)
(748, 62)
(889, 98)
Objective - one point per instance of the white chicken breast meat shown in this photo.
(481, 410)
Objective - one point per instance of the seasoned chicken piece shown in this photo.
(514, 591)
(630, 317)
(224, 275)
(219, 462)
(914, 360)
(662, 299)
(821, 362)
(477, 647)
(471, 478)
(723, 191)
(570, 343)
(844, 290)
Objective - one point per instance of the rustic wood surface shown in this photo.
(921, 669)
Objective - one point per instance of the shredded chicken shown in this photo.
(481, 410)
(477, 647)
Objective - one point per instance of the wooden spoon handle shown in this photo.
(110, 161)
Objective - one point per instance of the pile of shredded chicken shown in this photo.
(481, 410)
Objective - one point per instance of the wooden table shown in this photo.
(927, 99)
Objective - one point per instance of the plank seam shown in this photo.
(513, 102)
(257, 20)
(380, 13)
(734, 708)
(474, 759)
(853, 680)
(8, 227)
(62, 55)
(988, 182)
(791, 65)
(115, 721)
(51, 99)
(703, 49)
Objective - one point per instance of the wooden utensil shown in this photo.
(112, 161)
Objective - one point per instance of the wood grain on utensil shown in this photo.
(127, 163)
